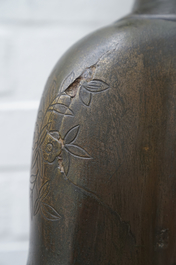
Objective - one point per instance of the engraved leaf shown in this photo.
(42, 136)
(44, 190)
(49, 212)
(62, 99)
(40, 164)
(77, 151)
(36, 206)
(67, 81)
(35, 137)
(85, 96)
(33, 178)
(40, 115)
(71, 134)
(61, 109)
(65, 161)
(55, 134)
(95, 86)
(33, 183)
(43, 133)
(34, 158)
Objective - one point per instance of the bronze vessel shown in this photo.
(103, 173)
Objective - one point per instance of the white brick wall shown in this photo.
(33, 35)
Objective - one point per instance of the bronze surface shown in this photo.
(103, 174)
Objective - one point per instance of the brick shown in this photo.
(14, 206)
(17, 127)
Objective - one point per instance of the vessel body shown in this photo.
(103, 173)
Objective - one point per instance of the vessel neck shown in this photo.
(158, 7)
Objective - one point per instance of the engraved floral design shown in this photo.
(72, 148)
(47, 211)
(51, 147)
(48, 148)
(61, 109)
(88, 88)
(48, 143)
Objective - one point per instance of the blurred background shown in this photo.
(33, 36)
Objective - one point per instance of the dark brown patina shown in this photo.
(103, 174)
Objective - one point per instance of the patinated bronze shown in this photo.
(103, 174)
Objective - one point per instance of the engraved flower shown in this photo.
(51, 146)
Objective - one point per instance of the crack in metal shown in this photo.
(106, 206)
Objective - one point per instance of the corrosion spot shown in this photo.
(61, 141)
(87, 75)
(61, 168)
(162, 239)
(146, 148)
(73, 88)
